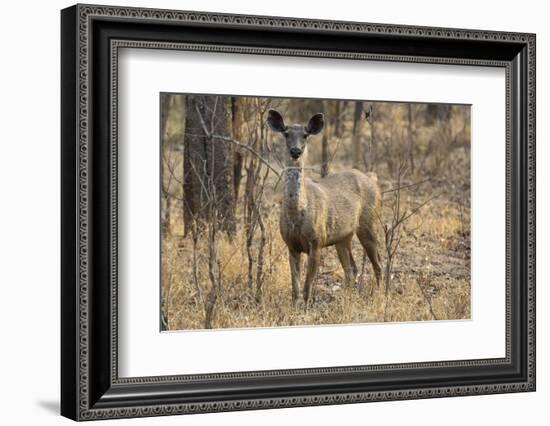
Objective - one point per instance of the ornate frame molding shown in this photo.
(82, 17)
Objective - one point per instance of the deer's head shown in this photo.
(295, 135)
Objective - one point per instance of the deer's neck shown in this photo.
(294, 196)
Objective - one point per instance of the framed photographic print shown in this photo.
(263, 212)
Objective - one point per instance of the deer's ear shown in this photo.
(316, 124)
(275, 121)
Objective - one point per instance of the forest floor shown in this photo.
(430, 278)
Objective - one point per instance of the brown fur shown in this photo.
(329, 212)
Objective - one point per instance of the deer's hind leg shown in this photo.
(345, 256)
(368, 240)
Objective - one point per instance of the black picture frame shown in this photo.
(90, 386)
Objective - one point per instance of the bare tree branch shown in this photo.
(235, 142)
(407, 186)
(249, 149)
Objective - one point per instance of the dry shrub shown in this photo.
(333, 303)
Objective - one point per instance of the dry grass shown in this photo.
(431, 280)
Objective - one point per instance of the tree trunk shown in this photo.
(326, 135)
(164, 112)
(324, 154)
(410, 136)
(356, 141)
(338, 119)
(237, 112)
(165, 101)
(208, 161)
(368, 151)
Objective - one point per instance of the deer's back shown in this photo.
(340, 201)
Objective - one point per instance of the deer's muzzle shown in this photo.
(295, 152)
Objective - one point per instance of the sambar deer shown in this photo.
(329, 212)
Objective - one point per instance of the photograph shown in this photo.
(266, 209)
(278, 212)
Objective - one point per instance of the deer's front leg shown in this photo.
(294, 260)
(312, 268)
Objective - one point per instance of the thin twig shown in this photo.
(427, 299)
(407, 186)
(235, 142)
(249, 149)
